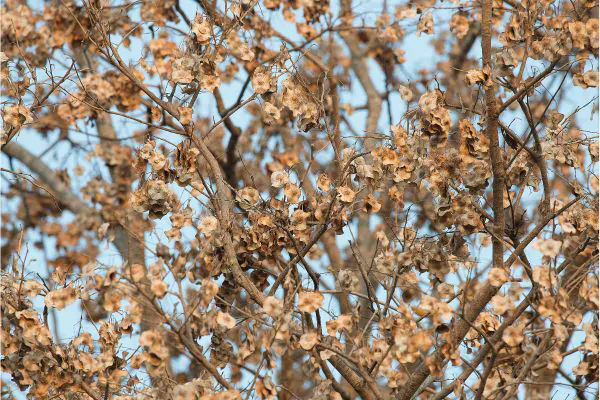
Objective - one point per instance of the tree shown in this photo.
(271, 199)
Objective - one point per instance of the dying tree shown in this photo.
(271, 199)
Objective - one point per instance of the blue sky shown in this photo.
(419, 54)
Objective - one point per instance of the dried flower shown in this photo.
(346, 194)
(279, 179)
(60, 298)
(248, 197)
(309, 301)
(273, 306)
(159, 288)
(309, 340)
(225, 320)
(201, 29)
(261, 80)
